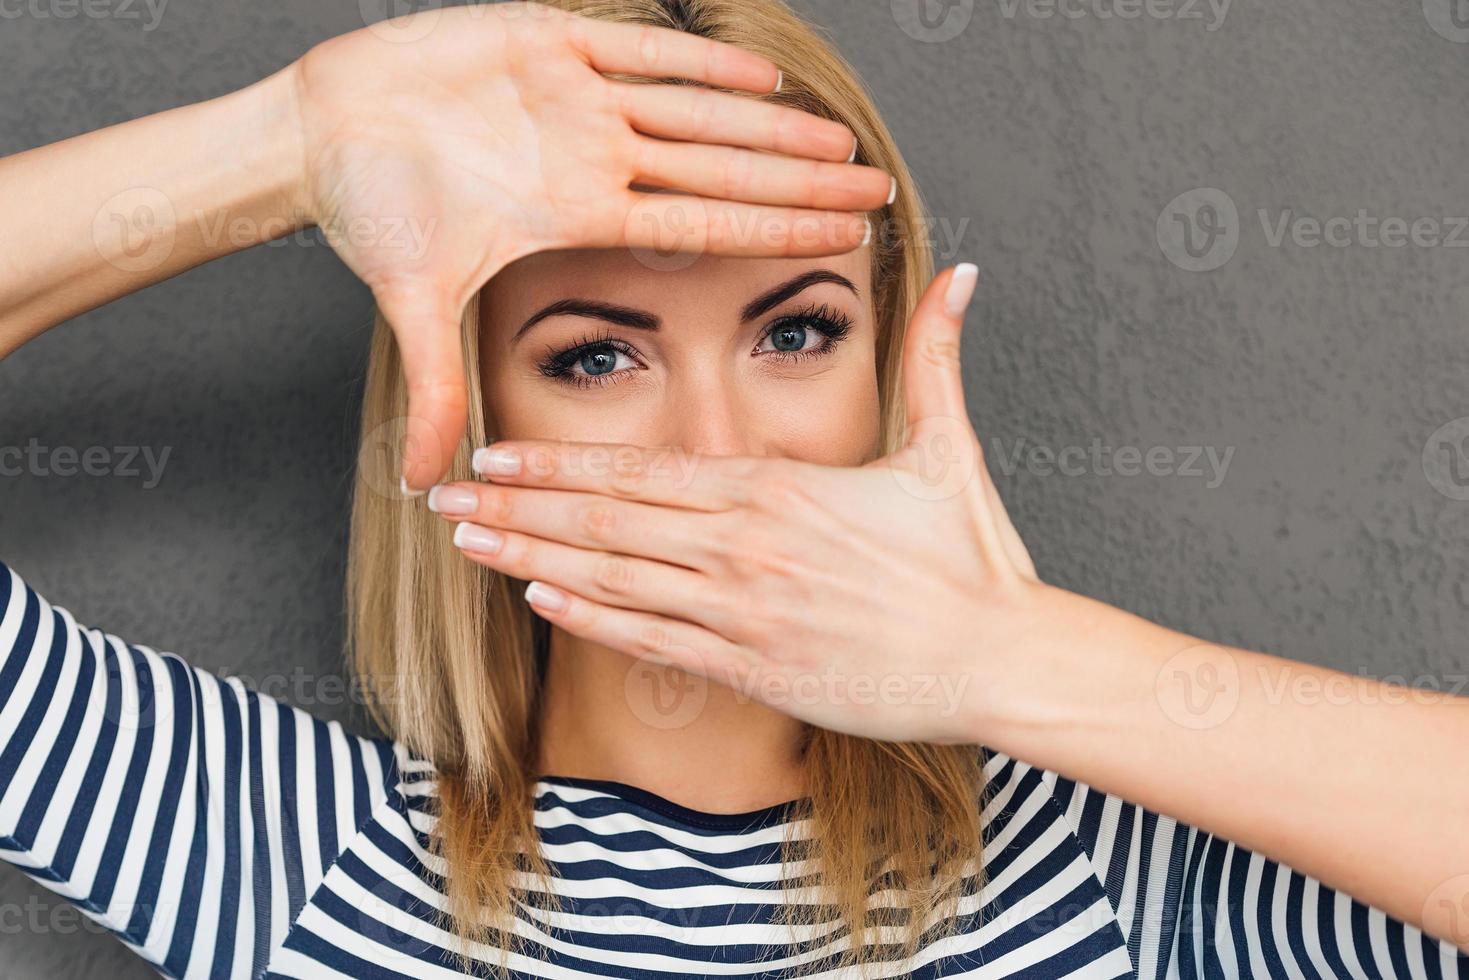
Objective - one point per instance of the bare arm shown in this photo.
(1358, 783)
(102, 215)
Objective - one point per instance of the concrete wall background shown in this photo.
(1049, 137)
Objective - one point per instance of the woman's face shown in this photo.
(729, 356)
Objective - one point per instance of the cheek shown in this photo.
(832, 423)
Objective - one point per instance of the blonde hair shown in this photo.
(450, 654)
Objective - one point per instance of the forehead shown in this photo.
(653, 282)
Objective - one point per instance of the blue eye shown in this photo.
(788, 338)
(812, 332)
(593, 361)
(599, 362)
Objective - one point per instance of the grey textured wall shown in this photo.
(1051, 138)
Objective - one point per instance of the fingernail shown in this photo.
(856, 142)
(472, 537)
(893, 194)
(780, 80)
(867, 237)
(406, 490)
(961, 288)
(452, 500)
(496, 461)
(545, 596)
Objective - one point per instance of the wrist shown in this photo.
(1068, 675)
(270, 155)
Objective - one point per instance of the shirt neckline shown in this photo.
(766, 816)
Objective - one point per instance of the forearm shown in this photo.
(101, 215)
(1355, 782)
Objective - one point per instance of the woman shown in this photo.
(562, 792)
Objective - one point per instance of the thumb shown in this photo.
(933, 386)
(940, 455)
(426, 322)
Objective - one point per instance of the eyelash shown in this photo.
(831, 323)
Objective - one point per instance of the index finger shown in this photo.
(661, 52)
(669, 476)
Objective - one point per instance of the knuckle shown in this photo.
(939, 352)
(598, 523)
(702, 116)
(614, 575)
(497, 508)
(515, 558)
(654, 639)
(650, 48)
(630, 476)
(541, 462)
(739, 173)
(581, 617)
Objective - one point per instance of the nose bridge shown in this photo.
(709, 416)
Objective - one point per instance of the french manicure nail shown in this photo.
(546, 596)
(496, 461)
(455, 501)
(406, 490)
(780, 80)
(961, 288)
(893, 194)
(472, 537)
(867, 236)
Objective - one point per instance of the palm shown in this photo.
(442, 171)
(440, 147)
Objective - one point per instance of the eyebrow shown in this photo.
(643, 320)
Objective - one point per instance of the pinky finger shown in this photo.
(645, 636)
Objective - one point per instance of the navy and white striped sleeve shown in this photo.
(187, 814)
(1194, 905)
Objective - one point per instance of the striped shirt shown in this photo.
(219, 833)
